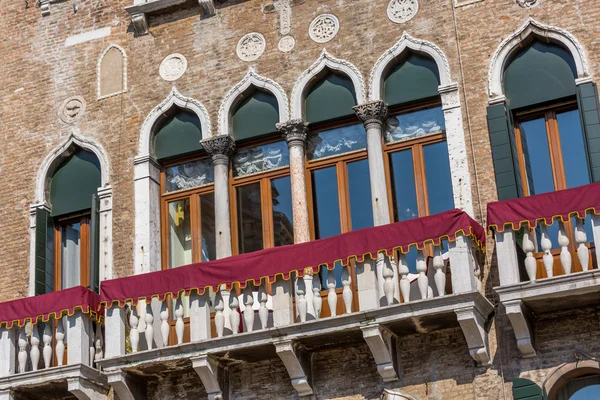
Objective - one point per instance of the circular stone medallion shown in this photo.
(286, 44)
(251, 46)
(401, 11)
(324, 28)
(527, 3)
(173, 67)
(72, 109)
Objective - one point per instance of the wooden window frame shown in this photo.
(263, 178)
(84, 219)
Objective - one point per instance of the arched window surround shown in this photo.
(448, 89)
(47, 168)
(521, 37)
(124, 89)
(558, 377)
(252, 80)
(147, 242)
(315, 71)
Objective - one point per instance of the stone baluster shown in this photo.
(422, 280)
(317, 299)
(219, 317)
(22, 356)
(403, 271)
(165, 328)
(347, 290)
(547, 258)
(47, 340)
(149, 331)
(134, 334)
(34, 353)
(234, 317)
(596, 233)
(179, 326)
(332, 295)
(60, 341)
(528, 248)
(263, 312)
(248, 297)
(583, 253)
(565, 255)
(440, 275)
(388, 283)
(301, 303)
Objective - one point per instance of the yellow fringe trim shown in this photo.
(54, 316)
(494, 227)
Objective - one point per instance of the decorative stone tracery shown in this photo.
(401, 11)
(251, 46)
(324, 28)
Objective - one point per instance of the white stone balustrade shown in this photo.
(41, 346)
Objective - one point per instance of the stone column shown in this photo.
(220, 148)
(370, 280)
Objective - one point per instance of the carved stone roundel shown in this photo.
(72, 109)
(401, 11)
(251, 46)
(527, 3)
(173, 67)
(286, 44)
(324, 28)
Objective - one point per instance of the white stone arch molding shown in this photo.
(235, 94)
(42, 190)
(455, 134)
(514, 43)
(146, 252)
(111, 46)
(389, 57)
(325, 60)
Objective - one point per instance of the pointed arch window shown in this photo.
(261, 194)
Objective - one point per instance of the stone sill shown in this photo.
(418, 316)
(54, 374)
(152, 6)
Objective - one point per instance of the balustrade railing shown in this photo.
(546, 235)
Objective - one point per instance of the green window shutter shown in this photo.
(524, 389)
(94, 245)
(539, 73)
(415, 78)
(587, 97)
(504, 152)
(255, 116)
(330, 98)
(178, 135)
(74, 183)
(44, 252)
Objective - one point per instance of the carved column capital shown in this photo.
(373, 112)
(220, 148)
(294, 131)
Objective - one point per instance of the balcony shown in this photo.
(274, 303)
(547, 258)
(55, 358)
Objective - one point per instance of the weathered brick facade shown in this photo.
(38, 72)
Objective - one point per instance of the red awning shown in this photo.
(283, 261)
(544, 207)
(51, 305)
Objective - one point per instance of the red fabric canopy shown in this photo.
(544, 207)
(49, 305)
(281, 261)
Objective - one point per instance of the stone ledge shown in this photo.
(54, 374)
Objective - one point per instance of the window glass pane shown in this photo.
(261, 158)
(249, 212)
(573, 149)
(359, 189)
(337, 274)
(325, 202)
(188, 175)
(70, 255)
(584, 388)
(414, 124)
(537, 156)
(207, 222)
(283, 227)
(180, 233)
(403, 185)
(437, 174)
(336, 141)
